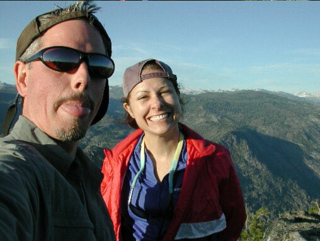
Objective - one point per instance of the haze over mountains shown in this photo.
(274, 139)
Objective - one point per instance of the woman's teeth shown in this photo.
(158, 117)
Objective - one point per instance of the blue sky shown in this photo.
(209, 45)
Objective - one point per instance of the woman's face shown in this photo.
(155, 106)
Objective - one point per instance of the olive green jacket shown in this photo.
(45, 194)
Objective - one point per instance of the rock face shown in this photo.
(294, 226)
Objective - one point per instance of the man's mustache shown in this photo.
(83, 98)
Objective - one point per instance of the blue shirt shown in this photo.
(150, 210)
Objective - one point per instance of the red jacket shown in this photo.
(210, 199)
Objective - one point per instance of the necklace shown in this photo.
(172, 168)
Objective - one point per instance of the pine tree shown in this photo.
(314, 208)
(255, 225)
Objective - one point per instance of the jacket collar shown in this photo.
(201, 146)
(24, 130)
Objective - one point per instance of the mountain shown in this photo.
(7, 95)
(7, 87)
(274, 140)
(300, 96)
(274, 143)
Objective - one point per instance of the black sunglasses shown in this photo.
(64, 59)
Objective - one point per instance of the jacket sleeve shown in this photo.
(106, 169)
(16, 215)
(232, 203)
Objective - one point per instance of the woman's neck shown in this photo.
(161, 150)
(162, 145)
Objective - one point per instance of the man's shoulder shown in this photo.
(17, 163)
(16, 147)
(17, 154)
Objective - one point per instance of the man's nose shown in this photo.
(81, 77)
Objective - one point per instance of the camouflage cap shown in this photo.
(34, 30)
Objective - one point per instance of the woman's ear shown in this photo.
(127, 107)
(20, 73)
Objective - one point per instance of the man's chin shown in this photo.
(74, 133)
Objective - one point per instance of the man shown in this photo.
(49, 190)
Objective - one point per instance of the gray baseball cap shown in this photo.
(132, 75)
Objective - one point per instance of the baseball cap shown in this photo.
(132, 75)
(34, 30)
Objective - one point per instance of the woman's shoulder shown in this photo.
(202, 145)
(127, 143)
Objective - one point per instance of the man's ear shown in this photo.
(20, 73)
(128, 109)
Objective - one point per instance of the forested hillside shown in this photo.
(274, 141)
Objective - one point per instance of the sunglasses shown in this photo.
(64, 59)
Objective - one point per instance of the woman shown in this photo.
(164, 181)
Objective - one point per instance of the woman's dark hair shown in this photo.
(154, 66)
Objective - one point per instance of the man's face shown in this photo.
(63, 104)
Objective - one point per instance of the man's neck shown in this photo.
(69, 147)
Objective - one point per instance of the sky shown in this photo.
(209, 45)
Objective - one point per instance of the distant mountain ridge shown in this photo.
(274, 140)
(7, 87)
(300, 96)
